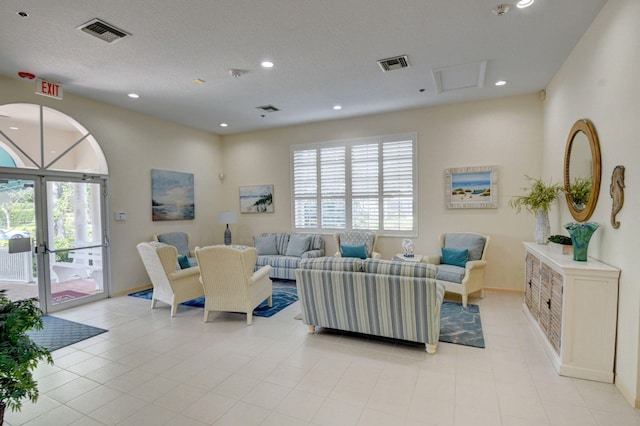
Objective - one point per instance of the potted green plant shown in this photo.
(19, 355)
(561, 244)
(538, 200)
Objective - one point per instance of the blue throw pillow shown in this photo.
(354, 251)
(183, 261)
(455, 257)
(266, 245)
(297, 245)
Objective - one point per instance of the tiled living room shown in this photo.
(207, 108)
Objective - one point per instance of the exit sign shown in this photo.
(48, 88)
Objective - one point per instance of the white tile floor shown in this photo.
(150, 369)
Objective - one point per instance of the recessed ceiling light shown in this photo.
(223, 125)
(14, 128)
(133, 95)
(22, 14)
(198, 81)
(500, 83)
(524, 3)
(267, 64)
(337, 107)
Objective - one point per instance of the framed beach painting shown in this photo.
(256, 199)
(172, 195)
(471, 187)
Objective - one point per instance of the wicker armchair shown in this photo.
(229, 281)
(170, 285)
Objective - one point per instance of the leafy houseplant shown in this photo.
(19, 355)
(538, 200)
(561, 244)
(580, 191)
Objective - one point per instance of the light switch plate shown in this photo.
(120, 216)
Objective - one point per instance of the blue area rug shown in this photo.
(461, 326)
(283, 295)
(58, 333)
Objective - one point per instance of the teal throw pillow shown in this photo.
(455, 257)
(354, 251)
(266, 245)
(184, 263)
(297, 245)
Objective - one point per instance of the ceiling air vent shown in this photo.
(103, 31)
(268, 108)
(395, 63)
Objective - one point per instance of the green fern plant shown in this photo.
(19, 355)
(539, 195)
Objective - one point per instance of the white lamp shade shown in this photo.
(227, 217)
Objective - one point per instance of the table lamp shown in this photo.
(227, 218)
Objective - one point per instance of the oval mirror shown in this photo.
(582, 170)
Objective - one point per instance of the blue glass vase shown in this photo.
(580, 235)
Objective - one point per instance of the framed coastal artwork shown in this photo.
(256, 199)
(471, 187)
(172, 195)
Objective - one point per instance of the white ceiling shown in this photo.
(325, 53)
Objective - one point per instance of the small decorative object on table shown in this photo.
(561, 244)
(580, 235)
(408, 247)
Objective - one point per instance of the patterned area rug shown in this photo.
(66, 295)
(58, 333)
(461, 326)
(284, 294)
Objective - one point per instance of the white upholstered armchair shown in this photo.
(229, 281)
(353, 239)
(170, 284)
(180, 240)
(462, 263)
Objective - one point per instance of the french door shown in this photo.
(52, 239)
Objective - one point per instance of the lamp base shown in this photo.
(227, 236)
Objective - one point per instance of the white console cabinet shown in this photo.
(573, 305)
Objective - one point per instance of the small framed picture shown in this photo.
(471, 187)
(256, 199)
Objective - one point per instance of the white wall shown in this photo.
(505, 132)
(134, 144)
(599, 81)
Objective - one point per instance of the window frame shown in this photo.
(348, 196)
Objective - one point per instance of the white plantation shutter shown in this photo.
(358, 184)
(397, 172)
(365, 192)
(333, 187)
(305, 189)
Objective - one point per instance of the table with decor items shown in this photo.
(415, 258)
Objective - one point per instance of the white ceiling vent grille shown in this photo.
(103, 31)
(395, 63)
(268, 108)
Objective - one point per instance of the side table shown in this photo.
(415, 258)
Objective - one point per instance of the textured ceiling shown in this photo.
(325, 53)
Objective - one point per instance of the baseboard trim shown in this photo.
(504, 290)
(133, 290)
(631, 399)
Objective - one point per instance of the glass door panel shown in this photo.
(75, 240)
(18, 269)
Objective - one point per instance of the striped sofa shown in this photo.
(283, 266)
(395, 299)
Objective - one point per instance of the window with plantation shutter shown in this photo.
(356, 184)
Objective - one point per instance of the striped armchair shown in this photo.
(400, 300)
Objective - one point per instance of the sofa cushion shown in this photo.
(359, 251)
(282, 238)
(184, 263)
(278, 261)
(348, 264)
(455, 257)
(404, 269)
(297, 245)
(266, 245)
(473, 243)
(176, 239)
(450, 273)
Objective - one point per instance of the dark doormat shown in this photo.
(58, 333)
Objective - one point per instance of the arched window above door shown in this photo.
(39, 137)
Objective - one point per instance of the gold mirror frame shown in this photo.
(585, 126)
